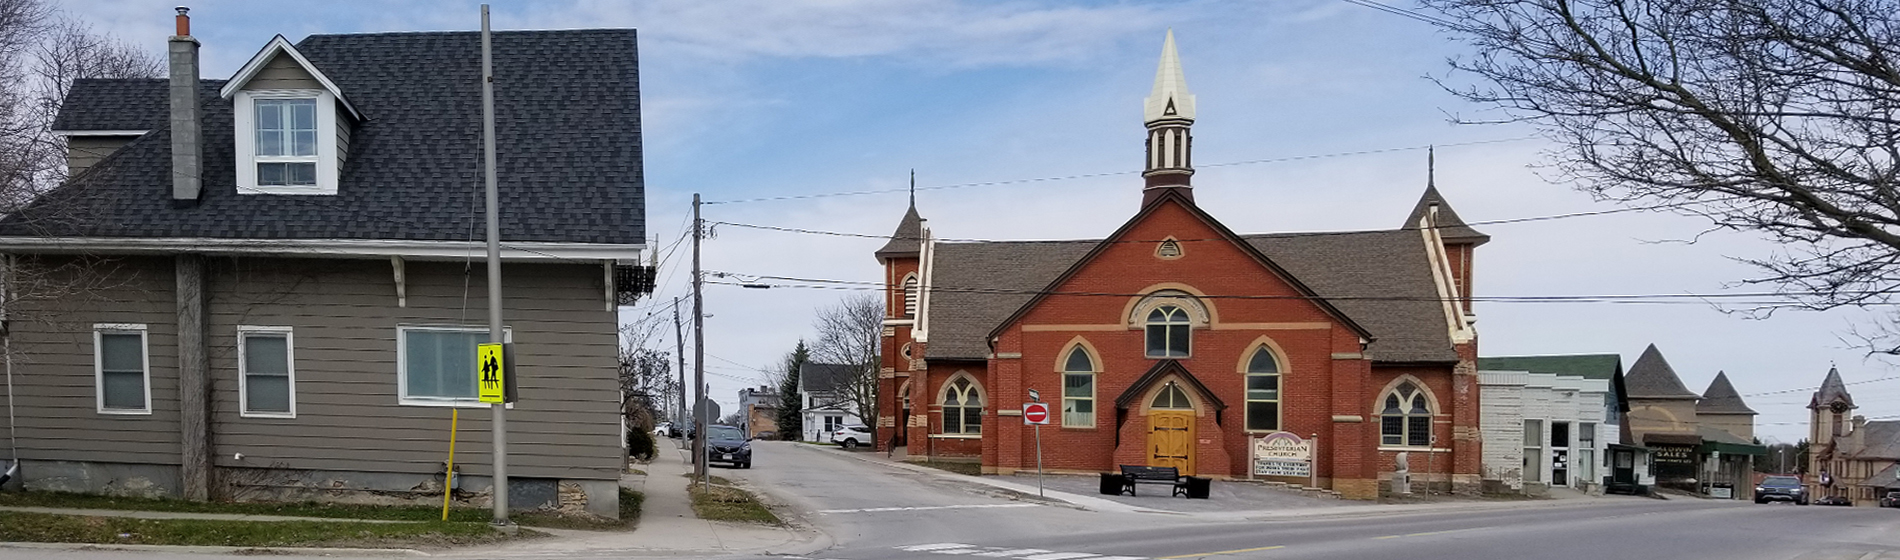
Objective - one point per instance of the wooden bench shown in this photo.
(1134, 474)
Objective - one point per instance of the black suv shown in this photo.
(728, 444)
(1782, 488)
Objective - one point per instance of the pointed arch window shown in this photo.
(1171, 397)
(1263, 391)
(910, 295)
(1407, 417)
(1167, 328)
(962, 408)
(1078, 389)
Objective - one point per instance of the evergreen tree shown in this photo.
(791, 405)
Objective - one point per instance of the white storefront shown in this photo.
(1543, 430)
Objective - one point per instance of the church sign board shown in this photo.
(1282, 454)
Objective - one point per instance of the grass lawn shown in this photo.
(723, 502)
(37, 527)
(972, 469)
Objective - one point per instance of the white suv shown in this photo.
(851, 436)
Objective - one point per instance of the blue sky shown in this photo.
(760, 98)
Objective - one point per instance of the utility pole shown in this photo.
(699, 352)
(679, 338)
(500, 410)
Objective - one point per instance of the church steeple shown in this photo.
(1169, 112)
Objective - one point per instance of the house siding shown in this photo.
(344, 315)
(283, 72)
(82, 152)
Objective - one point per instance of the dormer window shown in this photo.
(286, 142)
(292, 124)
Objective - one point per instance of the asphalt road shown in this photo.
(878, 513)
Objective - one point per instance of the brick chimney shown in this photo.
(186, 116)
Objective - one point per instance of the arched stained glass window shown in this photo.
(1406, 418)
(962, 408)
(1172, 397)
(1078, 389)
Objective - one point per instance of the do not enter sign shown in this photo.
(1035, 413)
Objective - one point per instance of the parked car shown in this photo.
(1834, 501)
(1781, 489)
(667, 430)
(728, 444)
(1892, 499)
(851, 436)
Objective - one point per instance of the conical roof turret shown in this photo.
(1721, 398)
(1832, 390)
(908, 240)
(1450, 226)
(1651, 377)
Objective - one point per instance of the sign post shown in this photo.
(1036, 414)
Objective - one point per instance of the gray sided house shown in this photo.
(828, 404)
(270, 287)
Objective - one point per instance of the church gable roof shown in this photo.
(1651, 377)
(1721, 398)
(1131, 397)
(1450, 226)
(1879, 440)
(1177, 199)
(978, 286)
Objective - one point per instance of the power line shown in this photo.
(1503, 221)
(1805, 389)
(1404, 13)
(1107, 173)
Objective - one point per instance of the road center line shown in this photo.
(922, 508)
(1236, 551)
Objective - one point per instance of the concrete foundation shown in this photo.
(596, 497)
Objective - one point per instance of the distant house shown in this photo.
(1849, 456)
(270, 287)
(1557, 421)
(1701, 443)
(827, 405)
(759, 407)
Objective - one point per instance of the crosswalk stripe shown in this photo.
(1012, 553)
(1060, 556)
(930, 547)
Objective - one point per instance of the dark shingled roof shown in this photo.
(1450, 226)
(1887, 478)
(1881, 440)
(977, 286)
(818, 378)
(567, 121)
(127, 104)
(907, 241)
(1832, 389)
(1721, 398)
(1651, 377)
(1587, 366)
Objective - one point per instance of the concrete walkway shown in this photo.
(667, 525)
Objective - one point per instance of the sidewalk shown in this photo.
(1215, 510)
(667, 525)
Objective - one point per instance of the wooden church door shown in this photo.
(1171, 430)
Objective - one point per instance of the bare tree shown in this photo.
(1769, 116)
(848, 334)
(41, 54)
(647, 385)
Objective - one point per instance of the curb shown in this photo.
(232, 550)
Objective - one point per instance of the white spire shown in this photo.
(1170, 88)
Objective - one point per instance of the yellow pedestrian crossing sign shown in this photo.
(491, 373)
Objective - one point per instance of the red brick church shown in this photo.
(1174, 340)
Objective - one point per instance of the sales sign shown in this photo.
(490, 373)
(1035, 413)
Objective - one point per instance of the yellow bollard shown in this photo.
(448, 473)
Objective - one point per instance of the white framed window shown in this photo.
(286, 142)
(1167, 328)
(122, 368)
(435, 365)
(1078, 389)
(267, 376)
(1263, 391)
